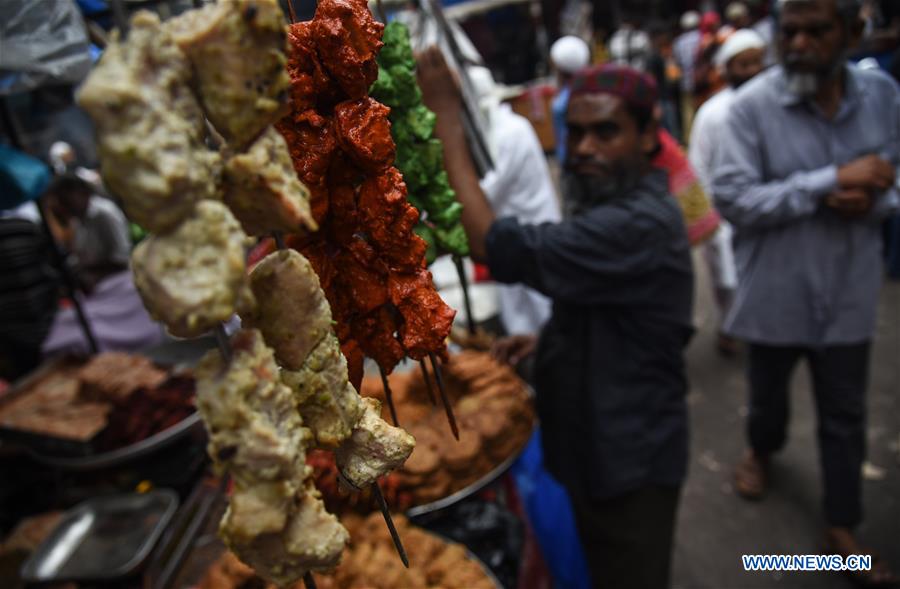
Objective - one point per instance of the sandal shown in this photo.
(751, 477)
(880, 575)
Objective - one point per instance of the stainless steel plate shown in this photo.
(102, 539)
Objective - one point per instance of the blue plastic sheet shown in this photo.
(552, 519)
(23, 178)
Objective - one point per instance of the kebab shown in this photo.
(274, 487)
(370, 262)
(420, 155)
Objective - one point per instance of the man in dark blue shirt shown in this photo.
(609, 370)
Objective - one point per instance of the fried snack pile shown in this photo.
(370, 563)
(370, 262)
(420, 155)
(497, 418)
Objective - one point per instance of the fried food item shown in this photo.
(348, 39)
(113, 376)
(194, 278)
(262, 189)
(329, 404)
(311, 143)
(289, 297)
(149, 125)
(275, 521)
(237, 49)
(375, 334)
(374, 449)
(311, 85)
(427, 319)
(364, 133)
(389, 221)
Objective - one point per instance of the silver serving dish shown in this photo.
(127, 454)
(102, 539)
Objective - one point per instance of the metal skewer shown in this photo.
(467, 302)
(389, 396)
(309, 581)
(448, 408)
(376, 490)
(385, 512)
(427, 380)
(222, 342)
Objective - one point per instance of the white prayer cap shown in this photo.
(736, 10)
(690, 20)
(738, 42)
(569, 54)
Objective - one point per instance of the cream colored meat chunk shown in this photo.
(238, 50)
(329, 404)
(276, 521)
(194, 278)
(263, 191)
(150, 128)
(292, 313)
(374, 449)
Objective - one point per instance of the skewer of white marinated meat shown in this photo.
(237, 49)
(194, 277)
(262, 189)
(295, 320)
(150, 127)
(374, 449)
(276, 521)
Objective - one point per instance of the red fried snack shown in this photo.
(425, 315)
(364, 133)
(348, 40)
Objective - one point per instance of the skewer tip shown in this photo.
(395, 536)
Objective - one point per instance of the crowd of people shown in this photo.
(797, 150)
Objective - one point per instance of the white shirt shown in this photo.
(630, 47)
(102, 236)
(520, 186)
(706, 133)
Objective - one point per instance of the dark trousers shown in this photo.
(839, 377)
(627, 540)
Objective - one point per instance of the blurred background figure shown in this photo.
(737, 16)
(630, 45)
(739, 60)
(519, 186)
(94, 229)
(665, 71)
(707, 80)
(807, 214)
(684, 51)
(567, 55)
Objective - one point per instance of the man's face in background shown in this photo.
(607, 148)
(744, 66)
(813, 41)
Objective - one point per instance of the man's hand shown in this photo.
(851, 203)
(439, 87)
(511, 350)
(869, 173)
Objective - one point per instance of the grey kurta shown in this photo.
(807, 276)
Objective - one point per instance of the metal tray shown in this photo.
(468, 491)
(120, 456)
(102, 539)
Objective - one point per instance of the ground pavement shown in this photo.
(716, 527)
